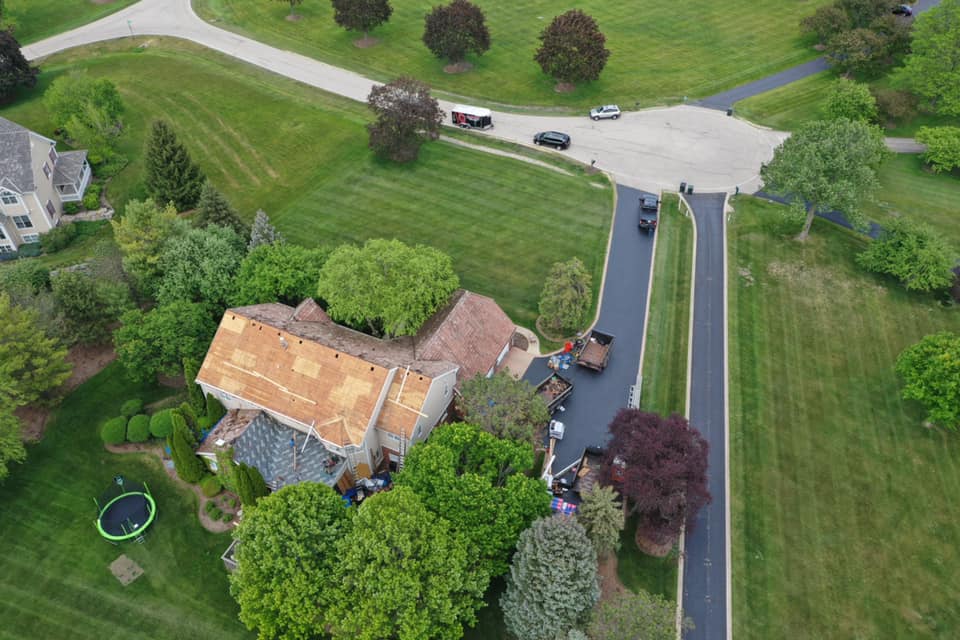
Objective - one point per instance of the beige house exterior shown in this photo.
(35, 181)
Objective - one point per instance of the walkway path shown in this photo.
(706, 570)
(726, 99)
(652, 149)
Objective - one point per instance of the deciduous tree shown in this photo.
(402, 573)
(827, 165)
(857, 51)
(478, 482)
(286, 559)
(31, 364)
(505, 407)
(87, 305)
(932, 70)
(170, 175)
(200, 266)
(454, 30)
(361, 15)
(262, 232)
(852, 101)
(15, 71)
(826, 22)
(553, 583)
(386, 287)
(661, 468)
(943, 147)
(157, 341)
(87, 109)
(566, 297)
(634, 615)
(286, 273)
(931, 374)
(11, 442)
(407, 116)
(141, 233)
(572, 49)
(601, 516)
(213, 208)
(913, 253)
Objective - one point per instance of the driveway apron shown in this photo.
(705, 568)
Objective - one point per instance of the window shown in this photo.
(5, 248)
(46, 170)
(31, 237)
(9, 198)
(23, 222)
(52, 155)
(52, 210)
(3, 236)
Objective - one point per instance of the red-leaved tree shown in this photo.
(572, 48)
(660, 467)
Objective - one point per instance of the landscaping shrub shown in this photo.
(138, 429)
(211, 486)
(190, 416)
(58, 238)
(71, 208)
(114, 430)
(91, 199)
(31, 250)
(215, 409)
(204, 423)
(131, 407)
(215, 513)
(161, 424)
(209, 507)
(227, 516)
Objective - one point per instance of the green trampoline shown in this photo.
(125, 510)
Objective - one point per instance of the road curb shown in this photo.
(726, 415)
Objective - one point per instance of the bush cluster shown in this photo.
(138, 429)
(91, 199)
(59, 237)
(161, 424)
(131, 407)
(211, 486)
(114, 430)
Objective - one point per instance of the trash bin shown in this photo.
(689, 189)
(683, 187)
(730, 111)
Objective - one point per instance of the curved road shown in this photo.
(652, 149)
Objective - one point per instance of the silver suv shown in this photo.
(607, 111)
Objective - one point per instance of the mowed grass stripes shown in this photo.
(844, 518)
(56, 581)
(659, 51)
(302, 156)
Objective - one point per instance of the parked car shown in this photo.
(552, 139)
(649, 208)
(903, 10)
(607, 111)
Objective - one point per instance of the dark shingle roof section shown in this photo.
(69, 167)
(15, 166)
(269, 446)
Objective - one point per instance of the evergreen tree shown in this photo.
(215, 409)
(250, 484)
(194, 392)
(262, 232)
(213, 208)
(15, 71)
(171, 176)
(189, 467)
(601, 516)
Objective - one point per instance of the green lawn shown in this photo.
(301, 155)
(845, 523)
(638, 571)
(660, 52)
(38, 19)
(668, 325)
(56, 582)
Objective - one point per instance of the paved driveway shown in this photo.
(705, 569)
(597, 396)
(650, 149)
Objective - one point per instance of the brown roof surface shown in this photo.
(471, 331)
(231, 427)
(317, 372)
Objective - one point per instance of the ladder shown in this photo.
(403, 449)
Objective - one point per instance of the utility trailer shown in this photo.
(594, 352)
(467, 117)
(554, 390)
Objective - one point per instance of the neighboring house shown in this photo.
(294, 378)
(35, 181)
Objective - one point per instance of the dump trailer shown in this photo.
(587, 473)
(594, 353)
(554, 390)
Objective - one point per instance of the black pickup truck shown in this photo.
(649, 208)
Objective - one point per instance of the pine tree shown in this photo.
(602, 518)
(250, 484)
(257, 483)
(215, 409)
(171, 176)
(262, 232)
(15, 71)
(189, 467)
(194, 392)
(214, 208)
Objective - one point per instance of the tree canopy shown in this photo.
(931, 374)
(943, 147)
(402, 573)
(633, 616)
(913, 253)
(407, 116)
(200, 266)
(11, 442)
(662, 470)
(87, 109)
(361, 15)
(15, 71)
(827, 165)
(286, 558)
(932, 69)
(505, 407)
(386, 287)
(454, 30)
(601, 516)
(88, 305)
(157, 341)
(553, 583)
(851, 100)
(262, 232)
(572, 48)
(286, 273)
(566, 297)
(170, 175)
(478, 482)
(213, 208)
(141, 233)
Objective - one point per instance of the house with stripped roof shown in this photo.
(309, 399)
(35, 181)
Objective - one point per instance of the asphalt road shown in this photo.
(597, 396)
(705, 569)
